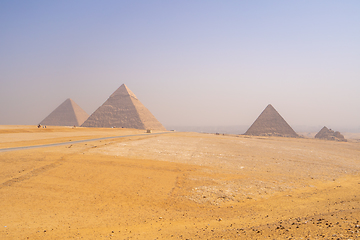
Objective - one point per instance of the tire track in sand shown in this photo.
(74, 142)
(31, 174)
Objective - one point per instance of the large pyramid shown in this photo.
(123, 110)
(270, 123)
(329, 134)
(67, 114)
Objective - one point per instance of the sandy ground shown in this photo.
(176, 186)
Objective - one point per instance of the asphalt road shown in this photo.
(73, 142)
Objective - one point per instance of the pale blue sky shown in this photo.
(189, 62)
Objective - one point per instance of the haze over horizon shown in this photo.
(191, 63)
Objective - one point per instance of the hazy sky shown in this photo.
(189, 62)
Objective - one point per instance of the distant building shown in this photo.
(123, 110)
(270, 123)
(67, 114)
(329, 134)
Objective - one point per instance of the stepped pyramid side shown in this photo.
(271, 123)
(329, 134)
(323, 133)
(67, 114)
(123, 110)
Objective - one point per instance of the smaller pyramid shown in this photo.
(67, 114)
(329, 134)
(123, 110)
(271, 123)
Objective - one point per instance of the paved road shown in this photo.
(73, 142)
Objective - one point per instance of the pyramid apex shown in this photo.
(123, 90)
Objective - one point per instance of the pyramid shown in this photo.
(123, 110)
(67, 114)
(329, 134)
(270, 123)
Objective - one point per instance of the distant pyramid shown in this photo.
(329, 134)
(270, 123)
(67, 114)
(123, 109)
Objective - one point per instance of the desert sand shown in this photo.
(176, 186)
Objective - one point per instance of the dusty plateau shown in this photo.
(176, 185)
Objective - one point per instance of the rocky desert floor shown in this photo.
(176, 185)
